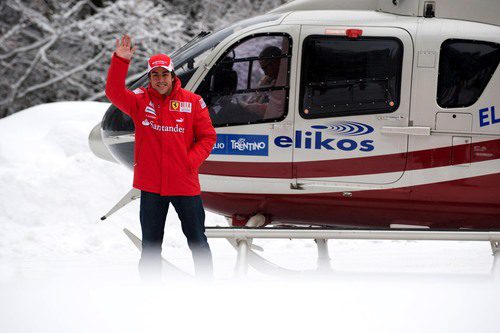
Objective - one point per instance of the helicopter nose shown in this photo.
(97, 145)
(116, 136)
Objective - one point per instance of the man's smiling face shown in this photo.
(161, 80)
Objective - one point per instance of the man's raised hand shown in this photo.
(123, 47)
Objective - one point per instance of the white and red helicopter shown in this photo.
(378, 114)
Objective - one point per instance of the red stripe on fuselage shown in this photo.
(421, 159)
(465, 203)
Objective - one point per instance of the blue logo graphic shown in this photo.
(319, 140)
(241, 144)
(346, 128)
(488, 117)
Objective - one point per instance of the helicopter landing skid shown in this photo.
(241, 239)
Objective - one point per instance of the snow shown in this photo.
(63, 270)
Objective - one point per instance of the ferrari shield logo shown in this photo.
(174, 105)
(180, 106)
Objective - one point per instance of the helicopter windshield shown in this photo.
(188, 58)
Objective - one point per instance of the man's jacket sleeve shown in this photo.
(204, 135)
(116, 91)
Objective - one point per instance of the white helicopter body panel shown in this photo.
(382, 112)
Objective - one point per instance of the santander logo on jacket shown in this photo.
(173, 134)
(160, 128)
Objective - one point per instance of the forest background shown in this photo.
(59, 50)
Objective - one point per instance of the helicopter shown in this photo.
(372, 114)
(381, 113)
(364, 116)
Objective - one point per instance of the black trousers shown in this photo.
(153, 213)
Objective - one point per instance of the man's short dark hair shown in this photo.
(270, 51)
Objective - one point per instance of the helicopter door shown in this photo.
(352, 82)
(247, 92)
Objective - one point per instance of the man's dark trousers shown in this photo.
(153, 213)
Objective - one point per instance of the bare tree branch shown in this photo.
(61, 77)
(41, 52)
(12, 31)
(33, 16)
(76, 8)
(26, 48)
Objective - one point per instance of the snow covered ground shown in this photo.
(62, 270)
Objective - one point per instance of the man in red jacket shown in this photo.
(173, 136)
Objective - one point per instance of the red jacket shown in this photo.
(173, 135)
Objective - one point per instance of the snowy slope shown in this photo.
(59, 265)
(54, 190)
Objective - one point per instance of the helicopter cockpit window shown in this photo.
(249, 83)
(465, 68)
(188, 58)
(342, 76)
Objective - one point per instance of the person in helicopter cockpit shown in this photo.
(267, 104)
(254, 106)
(261, 102)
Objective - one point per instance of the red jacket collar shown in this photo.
(175, 89)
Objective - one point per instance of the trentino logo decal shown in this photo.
(241, 144)
(346, 128)
(315, 139)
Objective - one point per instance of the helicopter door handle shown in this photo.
(280, 125)
(412, 130)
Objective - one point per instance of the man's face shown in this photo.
(161, 80)
(270, 67)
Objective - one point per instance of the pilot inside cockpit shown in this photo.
(260, 103)
(249, 83)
